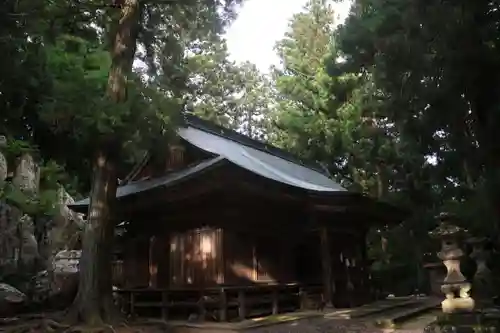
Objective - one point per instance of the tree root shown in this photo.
(83, 329)
(47, 325)
(43, 325)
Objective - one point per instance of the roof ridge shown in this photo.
(212, 128)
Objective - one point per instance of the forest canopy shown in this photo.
(399, 102)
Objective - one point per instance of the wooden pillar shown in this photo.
(326, 263)
(275, 301)
(303, 298)
(132, 304)
(153, 262)
(242, 312)
(163, 264)
(223, 305)
(136, 263)
(201, 306)
(365, 268)
(164, 305)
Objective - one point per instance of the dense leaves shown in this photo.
(437, 65)
(69, 88)
(400, 102)
(236, 96)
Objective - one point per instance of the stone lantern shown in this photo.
(455, 283)
(482, 288)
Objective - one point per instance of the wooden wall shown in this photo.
(207, 257)
(211, 256)
(308, 259)
(253, 259)
(136, 263)
(196, 258)
(349, 269)
(159, 261)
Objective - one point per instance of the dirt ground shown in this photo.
(322, 325)
(311, 325)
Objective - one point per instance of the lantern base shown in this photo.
(453, 305)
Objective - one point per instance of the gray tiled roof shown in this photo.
(264, 160)
(260, 162)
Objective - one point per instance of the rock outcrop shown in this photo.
(10, 299)
(58, 285)
(44, 254)
(26, 174)
(18, 245)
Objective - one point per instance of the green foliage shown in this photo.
(71, 109)
(44, 203)
(390, 105)
(438, 95)
(236, 96)
(53, 86)
(399, 103)
(16, 148)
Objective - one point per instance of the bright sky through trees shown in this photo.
(261, 23)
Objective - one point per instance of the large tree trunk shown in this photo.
(94, 302)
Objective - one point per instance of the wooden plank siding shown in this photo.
(223, 273)
(196, 258)
(206, 257)
(136, 263)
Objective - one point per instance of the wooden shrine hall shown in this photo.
(226, 227)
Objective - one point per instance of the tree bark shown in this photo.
(93, 304)
(125, 33)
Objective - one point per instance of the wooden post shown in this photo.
(326, 263)
(255, 265)
(241, 305)
(164, 305)
(303, 298)
(223, 305)
(153, 265)
(275, 296)
(132, 304)
(201, 303)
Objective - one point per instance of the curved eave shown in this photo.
(170, 180)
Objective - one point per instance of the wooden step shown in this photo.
(373, 308)
(398, 316)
